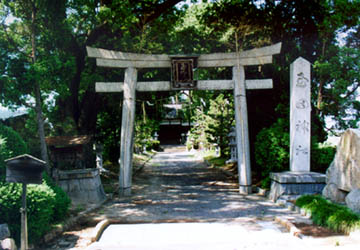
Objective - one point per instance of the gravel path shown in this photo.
(178, 186)
(178, 202)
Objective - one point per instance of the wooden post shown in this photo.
(127, 132)
(242, 132)
(24, 232)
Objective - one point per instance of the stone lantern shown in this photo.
(233, 146)
(24, 169)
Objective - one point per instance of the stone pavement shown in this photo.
(178, 202)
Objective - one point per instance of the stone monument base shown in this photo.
(292, 184)
(82, 185)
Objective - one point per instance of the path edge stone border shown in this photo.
(293, 230)
(70, 222)
(355, 235)
(98, 230)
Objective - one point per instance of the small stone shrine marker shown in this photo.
(299, 180)
(182, 78)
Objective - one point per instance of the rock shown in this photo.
(353, 200)
(8, 244)
(344, 172)
(4, 231)
(332, 192)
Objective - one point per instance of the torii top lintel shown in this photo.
(117, 59)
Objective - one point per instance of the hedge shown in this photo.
(46, 203)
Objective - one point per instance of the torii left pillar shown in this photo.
(127, 132)
(242, 130)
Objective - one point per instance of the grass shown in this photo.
(215, 161)
(336, 217)
(218, 161)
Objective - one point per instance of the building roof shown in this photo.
(68, 140)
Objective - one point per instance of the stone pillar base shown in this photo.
(125, 192)
(245, 189)
(293, 184)
(82, 185)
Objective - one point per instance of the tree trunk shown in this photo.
(38, 106)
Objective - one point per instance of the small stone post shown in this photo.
(300, 119)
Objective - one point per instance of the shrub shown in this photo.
(14, 142)
(11, 144)
(325, 213)
(272, 149)
(62, 200)
(4, 154)
(40, 206)
(46, 203)
(144, 131)
(321, 157)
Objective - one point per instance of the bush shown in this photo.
(14, 142)
(272, 150)
(11, 144)
(321, 158)
(62, 200)
(4, 154)
(325, 213)
(40, 206)
(46, 203)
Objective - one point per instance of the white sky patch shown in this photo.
(6, 113)
(10, 19)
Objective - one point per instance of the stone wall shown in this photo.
(343, 175)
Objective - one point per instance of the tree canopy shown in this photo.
(44, 66)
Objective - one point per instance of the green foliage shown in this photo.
(41, 200)
(14, 142)
(40, 204)
(62, 201)
(321, 157)
(213, 123)
(217, 161)
(11, 145)
(272, 150)
(4, 154)
(340, 75)
(325, 213)
(46, 203)
(144, 134)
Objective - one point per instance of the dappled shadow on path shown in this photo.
(180, 186)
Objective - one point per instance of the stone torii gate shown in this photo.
(132, 61)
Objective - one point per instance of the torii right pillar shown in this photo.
(299, 180)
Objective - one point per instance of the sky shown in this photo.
(6, 113)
